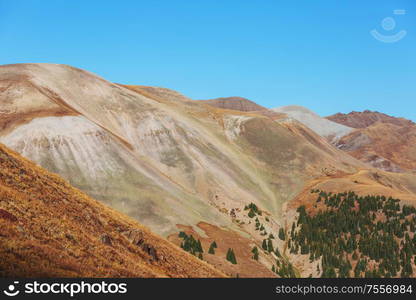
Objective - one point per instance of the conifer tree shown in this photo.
(264, 245)
(270, 246)
(282, 234)
(255, 252)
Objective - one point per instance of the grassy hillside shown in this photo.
(50, 229)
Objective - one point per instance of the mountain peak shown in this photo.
(366, 118)
(235, 103)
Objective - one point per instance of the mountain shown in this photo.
(366, 118)
(243, 105)
(383, 141)
(235, 103)
(158, 156)
(193, 172)
(50, 229)
(328, 129)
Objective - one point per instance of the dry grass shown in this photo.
(246, 266)
(50, 229)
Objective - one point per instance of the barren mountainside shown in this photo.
(164, 162)
(366, 118)
(235, 103)
(385, 142)
(50, 229)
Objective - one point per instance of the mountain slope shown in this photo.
(177, 164)
(385, 142)
(162, 160)
(328, 129)
(242, 105)
(50, 229)
(366, 118)
(235, 103)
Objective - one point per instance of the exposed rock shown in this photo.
(106, 239)
(137, 238)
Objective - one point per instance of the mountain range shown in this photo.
(181, 167)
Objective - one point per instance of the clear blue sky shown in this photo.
(319, 54)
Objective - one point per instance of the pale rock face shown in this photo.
(68, 140)
(325, 128)
(233, 126)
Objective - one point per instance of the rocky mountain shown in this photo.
(367, 118)
(50, 229)
(328, 129)
(385, 142)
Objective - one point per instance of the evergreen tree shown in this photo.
(255, 252)
(264, 245)
(231, 256)
(270, 246)
(282, 234)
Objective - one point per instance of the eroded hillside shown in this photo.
(150, 153)
(383, 141)
(175, 164)
(50, 229)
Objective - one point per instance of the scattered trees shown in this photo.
(231, 256)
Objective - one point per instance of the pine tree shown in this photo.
(277, 252)
(199, 247)
(264, 245)
(255, 252)
(282, 234)
(231, 256)
(270, 246)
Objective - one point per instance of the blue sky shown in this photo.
(319, 54)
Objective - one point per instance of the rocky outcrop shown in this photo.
(137, 238)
